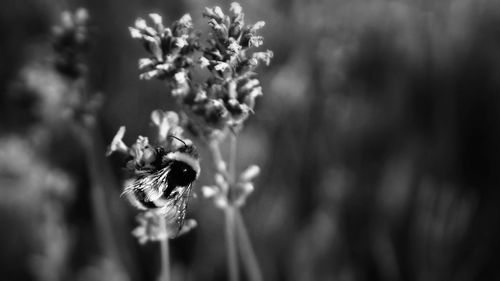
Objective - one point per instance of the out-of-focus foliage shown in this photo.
(378, 138)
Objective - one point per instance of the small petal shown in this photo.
(180, 42)
(218, 12)
(234, 47)
(150, 74)
(172, 118)
(236, 8)
(140, 23)
(165, 66)
(250, 173)
(145, 63)
(81, 15)
(156, 18)
(117, 144)
(249, 85)
(186, 227)
(263, 56)
(154, 47)
(157, 117)
(209, 191)
(220, 30)
(180, 77)
(166, 122)
(250, 98)
(257, 91)
(247, 188)
(180, 90)
(135, 33)
(167, 32)
(204, 62)
(256, 41)
(67, 19)
(222, 66)
(158, 21)
(258, 25)
(221, 182)
(177, 131)
(208, 12)
(137, 150)
(186, 21)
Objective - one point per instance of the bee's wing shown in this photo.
(148, 188)
(180, 201)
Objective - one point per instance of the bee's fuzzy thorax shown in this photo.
(186, 158)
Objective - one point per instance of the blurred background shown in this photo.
(378, 136)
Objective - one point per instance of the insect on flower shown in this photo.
(163, 179)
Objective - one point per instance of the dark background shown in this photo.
(377, 135)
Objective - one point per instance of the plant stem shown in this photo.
(220, 165)
(246, 249)
(233, 143)
(101, 214)
(232, 255)
(242, 240)
(165, 255)
(232, 250)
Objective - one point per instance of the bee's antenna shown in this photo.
(172, 136)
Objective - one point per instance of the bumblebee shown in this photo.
(163, 180)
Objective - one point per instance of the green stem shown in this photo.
(165, 255)
(247, 253)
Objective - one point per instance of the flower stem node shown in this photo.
(224, 194)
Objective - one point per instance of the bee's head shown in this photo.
(187, 153)
(187, 147)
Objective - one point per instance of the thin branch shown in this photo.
(165, 254)
(232, 254)
(246, 250)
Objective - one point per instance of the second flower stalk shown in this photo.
(230, 193)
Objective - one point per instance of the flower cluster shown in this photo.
(170, 51)
(211, 107)
(226, 98)
(145, 167)
(150, 228)
(225, 194)
(70, 42)
(232, 84)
